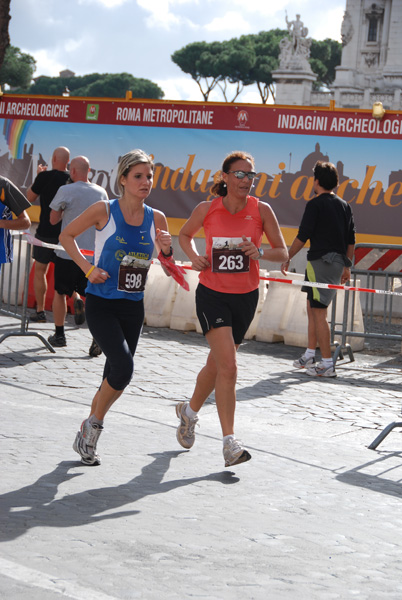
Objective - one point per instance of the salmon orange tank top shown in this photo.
(231, 271)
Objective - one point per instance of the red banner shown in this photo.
(193, 115)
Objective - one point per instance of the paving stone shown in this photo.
(314, 514)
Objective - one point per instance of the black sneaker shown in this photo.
(94, 349)
(79, 311)
(58, 341)
(38, 317)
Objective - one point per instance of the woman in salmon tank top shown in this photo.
(227, 293)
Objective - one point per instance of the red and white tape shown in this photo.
(35, 242)
(330, 286)
(326, 286)
(175, 271)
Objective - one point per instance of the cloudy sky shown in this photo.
(139, 36)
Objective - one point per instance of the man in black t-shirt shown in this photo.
(328, 223)
(45, 187)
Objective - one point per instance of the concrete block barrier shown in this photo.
(283, 316)
(13, 275)
(159, 296)
(184, 317)
(252, 330)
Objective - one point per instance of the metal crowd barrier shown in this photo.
(383, 274)
(343, 346)
(376, 266)
(13, 299)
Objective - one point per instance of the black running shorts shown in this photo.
(68, 277)
(219, 309)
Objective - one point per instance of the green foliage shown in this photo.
(236, 59)
(107, 85)
(240, 61)
(324, 57)
(4, 33)
(248, 60)
(216, 64)
(266, 49)
(17, 69)
(201, 61)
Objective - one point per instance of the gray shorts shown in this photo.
(321, 271)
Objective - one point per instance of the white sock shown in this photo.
(309, 353)
(190, 413)
(226, 438)
(94, 421)
(327, 362)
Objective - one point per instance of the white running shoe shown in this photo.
(303, 362)
(85, 443)
(320, 370)
(185, 431)
(235, 453)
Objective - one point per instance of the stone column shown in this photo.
(393, 68)
(346, 73)
(293, 87)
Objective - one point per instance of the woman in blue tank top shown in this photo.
(127, 230)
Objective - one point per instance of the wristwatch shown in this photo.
(169, 254)
(260, 252)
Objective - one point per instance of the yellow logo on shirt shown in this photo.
(119, 255)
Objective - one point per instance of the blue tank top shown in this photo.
(123, 250)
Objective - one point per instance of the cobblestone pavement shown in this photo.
(314, 514)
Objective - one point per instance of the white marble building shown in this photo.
(371, 67)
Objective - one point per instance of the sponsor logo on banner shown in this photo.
(92, 112)
(242, 119)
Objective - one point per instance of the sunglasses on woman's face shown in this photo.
(243, 174)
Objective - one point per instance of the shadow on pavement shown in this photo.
(279, 382)
(378, 479)
(35, 505)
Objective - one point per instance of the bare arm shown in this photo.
(96, 215)
(296, 246)
(346, 271)
(163, 240)
(32, 197)
(278, 251)
(19, 223)
(187, 233)
(55, 216)
(350, 251)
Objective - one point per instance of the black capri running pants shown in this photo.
(116, 326)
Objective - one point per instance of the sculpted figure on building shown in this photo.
(295, 50)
